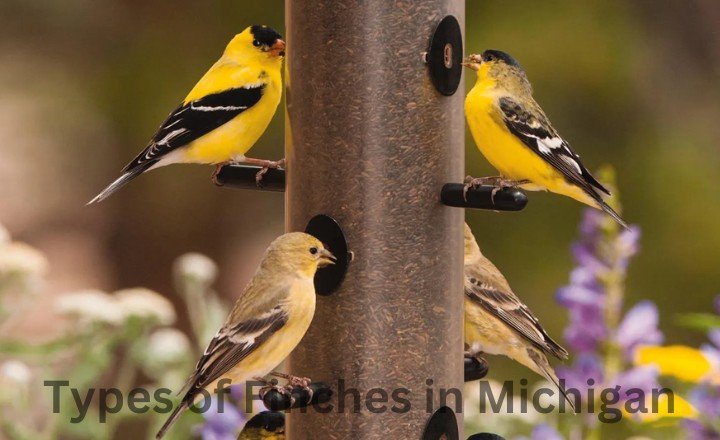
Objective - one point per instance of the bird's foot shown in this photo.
(498, 183)
(217, 169)
(272, 385)
(266, 165)
(296, 382)
(474, 182)
(503, 183)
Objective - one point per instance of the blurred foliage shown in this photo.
(102, 342)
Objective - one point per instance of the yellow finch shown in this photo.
(224, 114)
(267, 322)
(513, 133)
(267, 425)
(497, 322)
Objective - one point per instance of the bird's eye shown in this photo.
(488, 57)
(256, 43)
(313, 250)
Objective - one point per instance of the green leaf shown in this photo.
(698, 321)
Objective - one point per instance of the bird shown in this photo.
(266, 425)
(223, 115)
(497, 322)
(266, 323)
(513, 133)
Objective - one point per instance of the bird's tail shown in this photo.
(171, 420)
(121, 181)
(611, 212)
(590, 197)
(543, 367)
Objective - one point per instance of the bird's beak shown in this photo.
(326, 258)
(278, 49)
(472, 62)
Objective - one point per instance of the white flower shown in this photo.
(167, 346)
(146, 304)
(91, 306)
(4, 236)
(15, 381)
(510, 410)
(196, 267)
(14, 372)
(19, 258)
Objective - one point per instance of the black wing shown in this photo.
(231, 345)
(509, 309)
(535, 131)
(195, 119)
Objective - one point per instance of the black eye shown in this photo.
(313, 250)
(256, 43)
(488, 57)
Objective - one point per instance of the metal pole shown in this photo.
(370, 142)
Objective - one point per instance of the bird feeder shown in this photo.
(374, 140)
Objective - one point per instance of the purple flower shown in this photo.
(221, 422)
(712, 353)
(583, 277)
(590, 224)
(706, 399)
(695, 430)
(716, 304)
(639, 327)
(586, 329)
(714, 336)
(586, 366)
(627, 244)
(545, 432)
(644, 378)
(584, 255)
(574, 296)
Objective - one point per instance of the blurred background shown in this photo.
(634, 84)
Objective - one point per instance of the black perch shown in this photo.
(485, 436)
(243, 177)
(475, 369)
(276, 400)
(481, 197)
(506, 199)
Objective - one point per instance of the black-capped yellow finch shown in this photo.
(224, 114)
(497, 322)
(267, 321)
(513, 133)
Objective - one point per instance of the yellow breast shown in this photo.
(513, 159)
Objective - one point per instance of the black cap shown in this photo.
(265, 35)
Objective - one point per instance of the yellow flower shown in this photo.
(681, 409)
(685, 363)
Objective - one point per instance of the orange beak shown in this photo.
(278, 49)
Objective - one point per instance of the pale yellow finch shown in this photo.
(513, 133)
(267, 322)
(497, 322)
(224, 114)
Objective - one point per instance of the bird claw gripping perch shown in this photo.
(273, 387)
(269, 164)
(498, 183)
(295, 382)
(297, 396)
